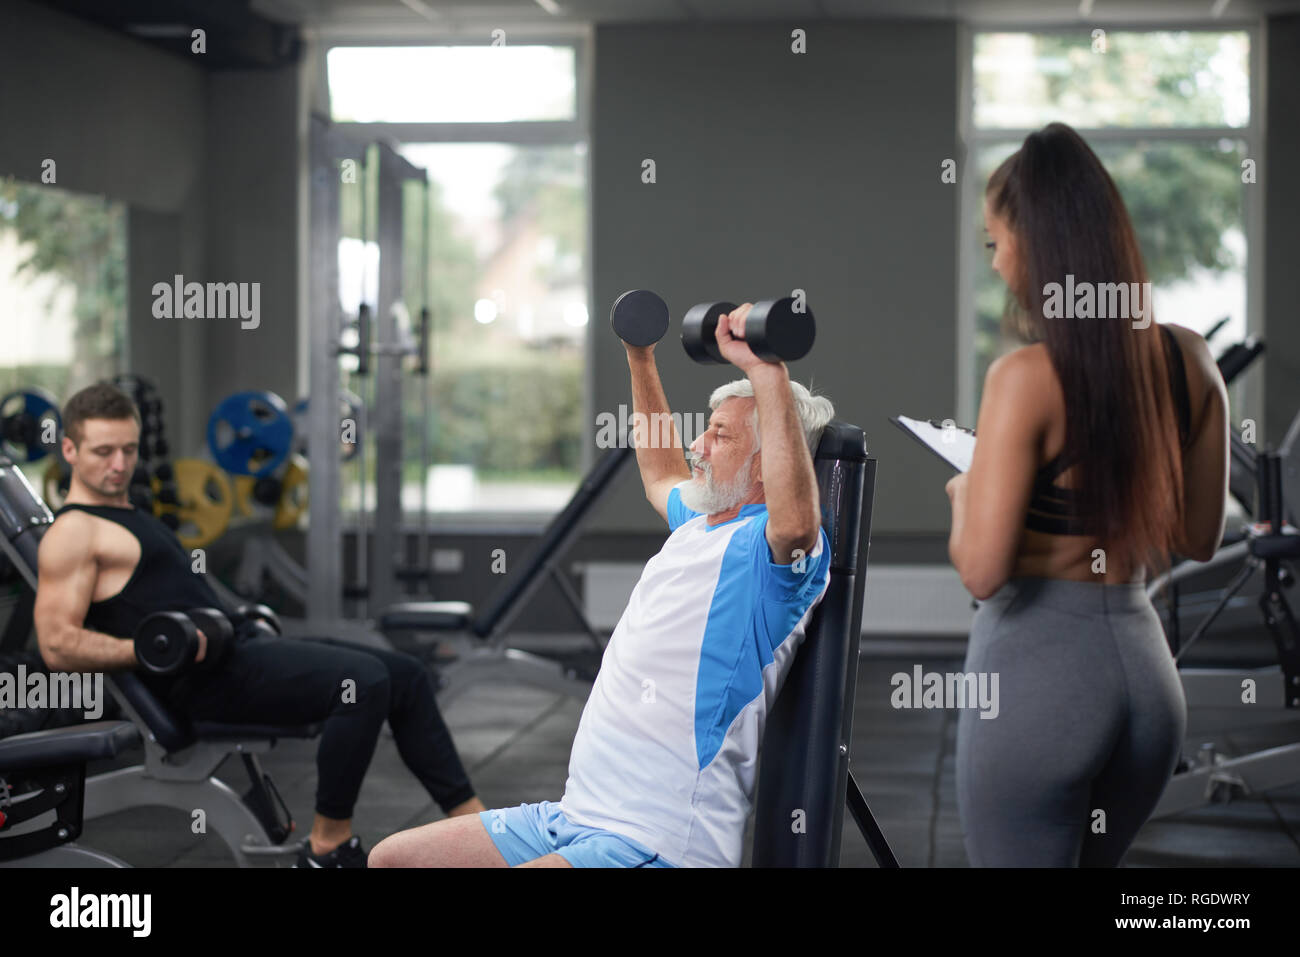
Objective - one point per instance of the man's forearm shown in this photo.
(80, 649)
(659, 453)
(789, 482)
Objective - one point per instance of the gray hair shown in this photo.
(814, 411)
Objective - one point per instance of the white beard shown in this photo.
(710, 498)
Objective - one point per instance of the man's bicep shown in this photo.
(65, 584)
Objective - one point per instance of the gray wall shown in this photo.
(252, 229)
(160, 245)
(778, 171)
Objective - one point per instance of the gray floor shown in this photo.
(515, 742)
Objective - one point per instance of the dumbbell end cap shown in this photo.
(639, 317)
(781, 334)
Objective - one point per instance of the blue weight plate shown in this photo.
(23, 414)
(250, 433)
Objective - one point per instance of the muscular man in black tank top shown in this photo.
(105, 566)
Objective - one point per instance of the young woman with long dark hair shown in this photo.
(1102, 449)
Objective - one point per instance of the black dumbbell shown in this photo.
(700, 330)
(141, 496)
(168, 494)
(267, 490)
(164, 472)
(167, 641)
(219, 630)
(774, 331)
(639, 317)
(262, 615)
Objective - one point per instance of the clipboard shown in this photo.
(955, 445)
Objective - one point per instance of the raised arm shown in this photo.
(659, 452)
(789, 481)
(67, 572)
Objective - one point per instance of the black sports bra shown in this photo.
(1053, 509)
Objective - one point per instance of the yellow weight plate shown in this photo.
(50, 485)
(244, 494)
(206, 502)
(293, 497)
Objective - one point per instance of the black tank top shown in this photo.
(162, 580)
(1054, 510)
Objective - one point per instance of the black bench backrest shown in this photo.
(803, 775)
(23, 519)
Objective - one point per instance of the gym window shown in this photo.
(1170, 115)
(62, 295)
(452, 84)
(501, 131)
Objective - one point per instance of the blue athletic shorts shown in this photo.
(530, 831)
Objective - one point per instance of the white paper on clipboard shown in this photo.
(953, 444)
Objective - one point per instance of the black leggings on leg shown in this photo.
(1090, 723)
(353, 689)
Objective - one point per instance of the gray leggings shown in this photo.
(1091, 718)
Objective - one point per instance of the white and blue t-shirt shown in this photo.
(667, 748)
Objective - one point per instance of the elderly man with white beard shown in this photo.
(662, 769)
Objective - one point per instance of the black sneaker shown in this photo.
(348, 854)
